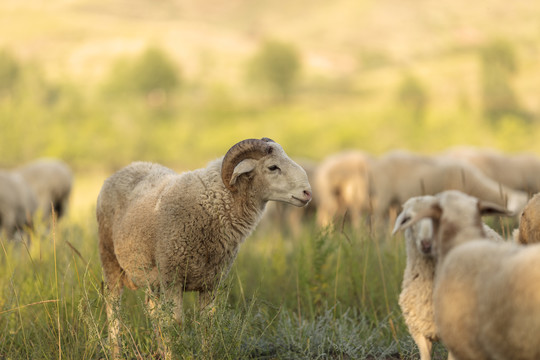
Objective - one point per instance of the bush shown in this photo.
(9, 72)
(276, 66)
(152, 75)
(413, 97)
(499, 65)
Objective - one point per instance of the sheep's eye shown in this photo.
(405, 220)
(273, 168)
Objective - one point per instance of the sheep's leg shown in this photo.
(206, 308)
(159, 324)
(176, 296)
(206, 302)
(113, 292)
(327, 211)
(113, 298)
(424, 345)
(161, 320)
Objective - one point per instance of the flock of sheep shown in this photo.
(168, 233)
(463, 283)
(361, 185)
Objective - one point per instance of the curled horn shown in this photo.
(245, 149)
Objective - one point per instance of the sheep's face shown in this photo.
(450, 212)
(460, 213)
(282, 179)
(276, 177)
(422, 231)
(423, 235)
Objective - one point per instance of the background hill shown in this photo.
(371, 74)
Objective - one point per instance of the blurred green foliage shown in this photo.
(276, 66)
(9, 72)
(151, 75)
(413, 97)
(145, 109)
(499, 67)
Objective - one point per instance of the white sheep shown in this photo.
(17, 204)
(520, 171)
(51, 180)
(400, 175)
(415, 299)
(172, 233)
(342, 187)
(486, 302)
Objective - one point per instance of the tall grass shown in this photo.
(322, 294)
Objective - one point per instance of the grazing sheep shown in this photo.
(529, 223)
(517, 171)
(486, 302)
(342, 187)
(51, 181)
(400, 175)
(17, 204)
(172, 233)
(415, 298)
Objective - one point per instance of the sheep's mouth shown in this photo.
(304, 202)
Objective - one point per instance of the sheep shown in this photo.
(171, 233)
(415, 299)
(400, 175)
(51, 180)
(485, 298)
(341, 184)
(529, 223)
(518, 171)
(417, 284)
(17, 204)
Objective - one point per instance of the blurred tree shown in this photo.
(499, 65)
(276, 65)
(152, 75)
(412, 96)
(9, 72)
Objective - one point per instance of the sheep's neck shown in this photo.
(418, 264)
(452, 235)
(246, 211)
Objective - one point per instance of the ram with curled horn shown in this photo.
(171, 233)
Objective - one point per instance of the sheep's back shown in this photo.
(511, 315)
(50, 179)
(485, 302)
(455, 300)
(179, 223)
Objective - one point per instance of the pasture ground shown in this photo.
(319, 295)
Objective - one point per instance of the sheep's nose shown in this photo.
(426, 246)
(307, 195)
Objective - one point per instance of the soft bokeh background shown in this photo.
(101, 83)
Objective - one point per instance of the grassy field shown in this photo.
(314, 296)
(320, 294)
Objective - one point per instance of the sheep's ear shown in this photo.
(405, 220)
(243, 167)
(488, 208)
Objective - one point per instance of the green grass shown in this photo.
(319, 295)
